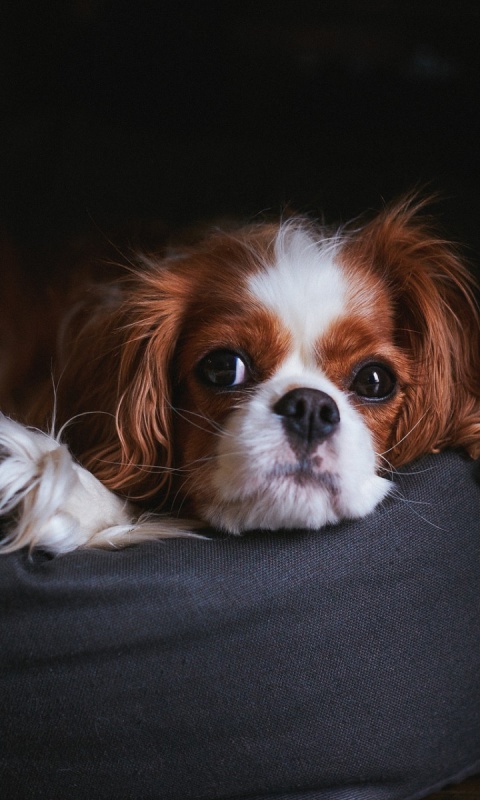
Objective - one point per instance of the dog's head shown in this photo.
(265, 377)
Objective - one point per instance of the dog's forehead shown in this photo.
(304, 284)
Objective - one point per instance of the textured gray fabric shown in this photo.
(310, 666)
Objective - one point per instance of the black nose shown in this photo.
(309, 415)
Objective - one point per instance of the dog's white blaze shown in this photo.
(305, 286)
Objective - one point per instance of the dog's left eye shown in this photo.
(223, 368)
(374, 382)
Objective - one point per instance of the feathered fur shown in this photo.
(136, 414)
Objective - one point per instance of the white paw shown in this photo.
(50, 501)
(47, 500)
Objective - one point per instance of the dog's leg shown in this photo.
(47, 500)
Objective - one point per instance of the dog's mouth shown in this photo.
(307, 472)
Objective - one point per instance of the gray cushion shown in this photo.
(330, 666)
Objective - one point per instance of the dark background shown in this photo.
(117, 112)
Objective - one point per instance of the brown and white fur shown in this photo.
(264, 378)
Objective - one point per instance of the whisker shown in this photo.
(404, 437)
(388, 467)
(188, 482)
(141, 467)
(412, 473)
(185, 414)
(159, 468)
(69, 421)
(411, 503)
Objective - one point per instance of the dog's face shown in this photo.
(287, 384)
(266, 377)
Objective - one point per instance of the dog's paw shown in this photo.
(48, 500)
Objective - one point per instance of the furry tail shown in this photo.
(47, 500)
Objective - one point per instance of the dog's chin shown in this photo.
(295, 500)
(293, 496)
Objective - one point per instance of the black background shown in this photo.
(120, 111)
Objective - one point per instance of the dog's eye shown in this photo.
(374, 382)
(223, 368)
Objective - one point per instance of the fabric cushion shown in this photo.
(337, 665)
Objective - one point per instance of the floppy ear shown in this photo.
(437, 324)
(116, 380)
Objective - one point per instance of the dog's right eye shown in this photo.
(223, 368)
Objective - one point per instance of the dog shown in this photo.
(267, 377)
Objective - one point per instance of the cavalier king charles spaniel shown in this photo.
(268, 377)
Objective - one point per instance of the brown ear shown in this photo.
(117, 381)
(437, 325)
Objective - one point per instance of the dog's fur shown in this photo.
(264, 378)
